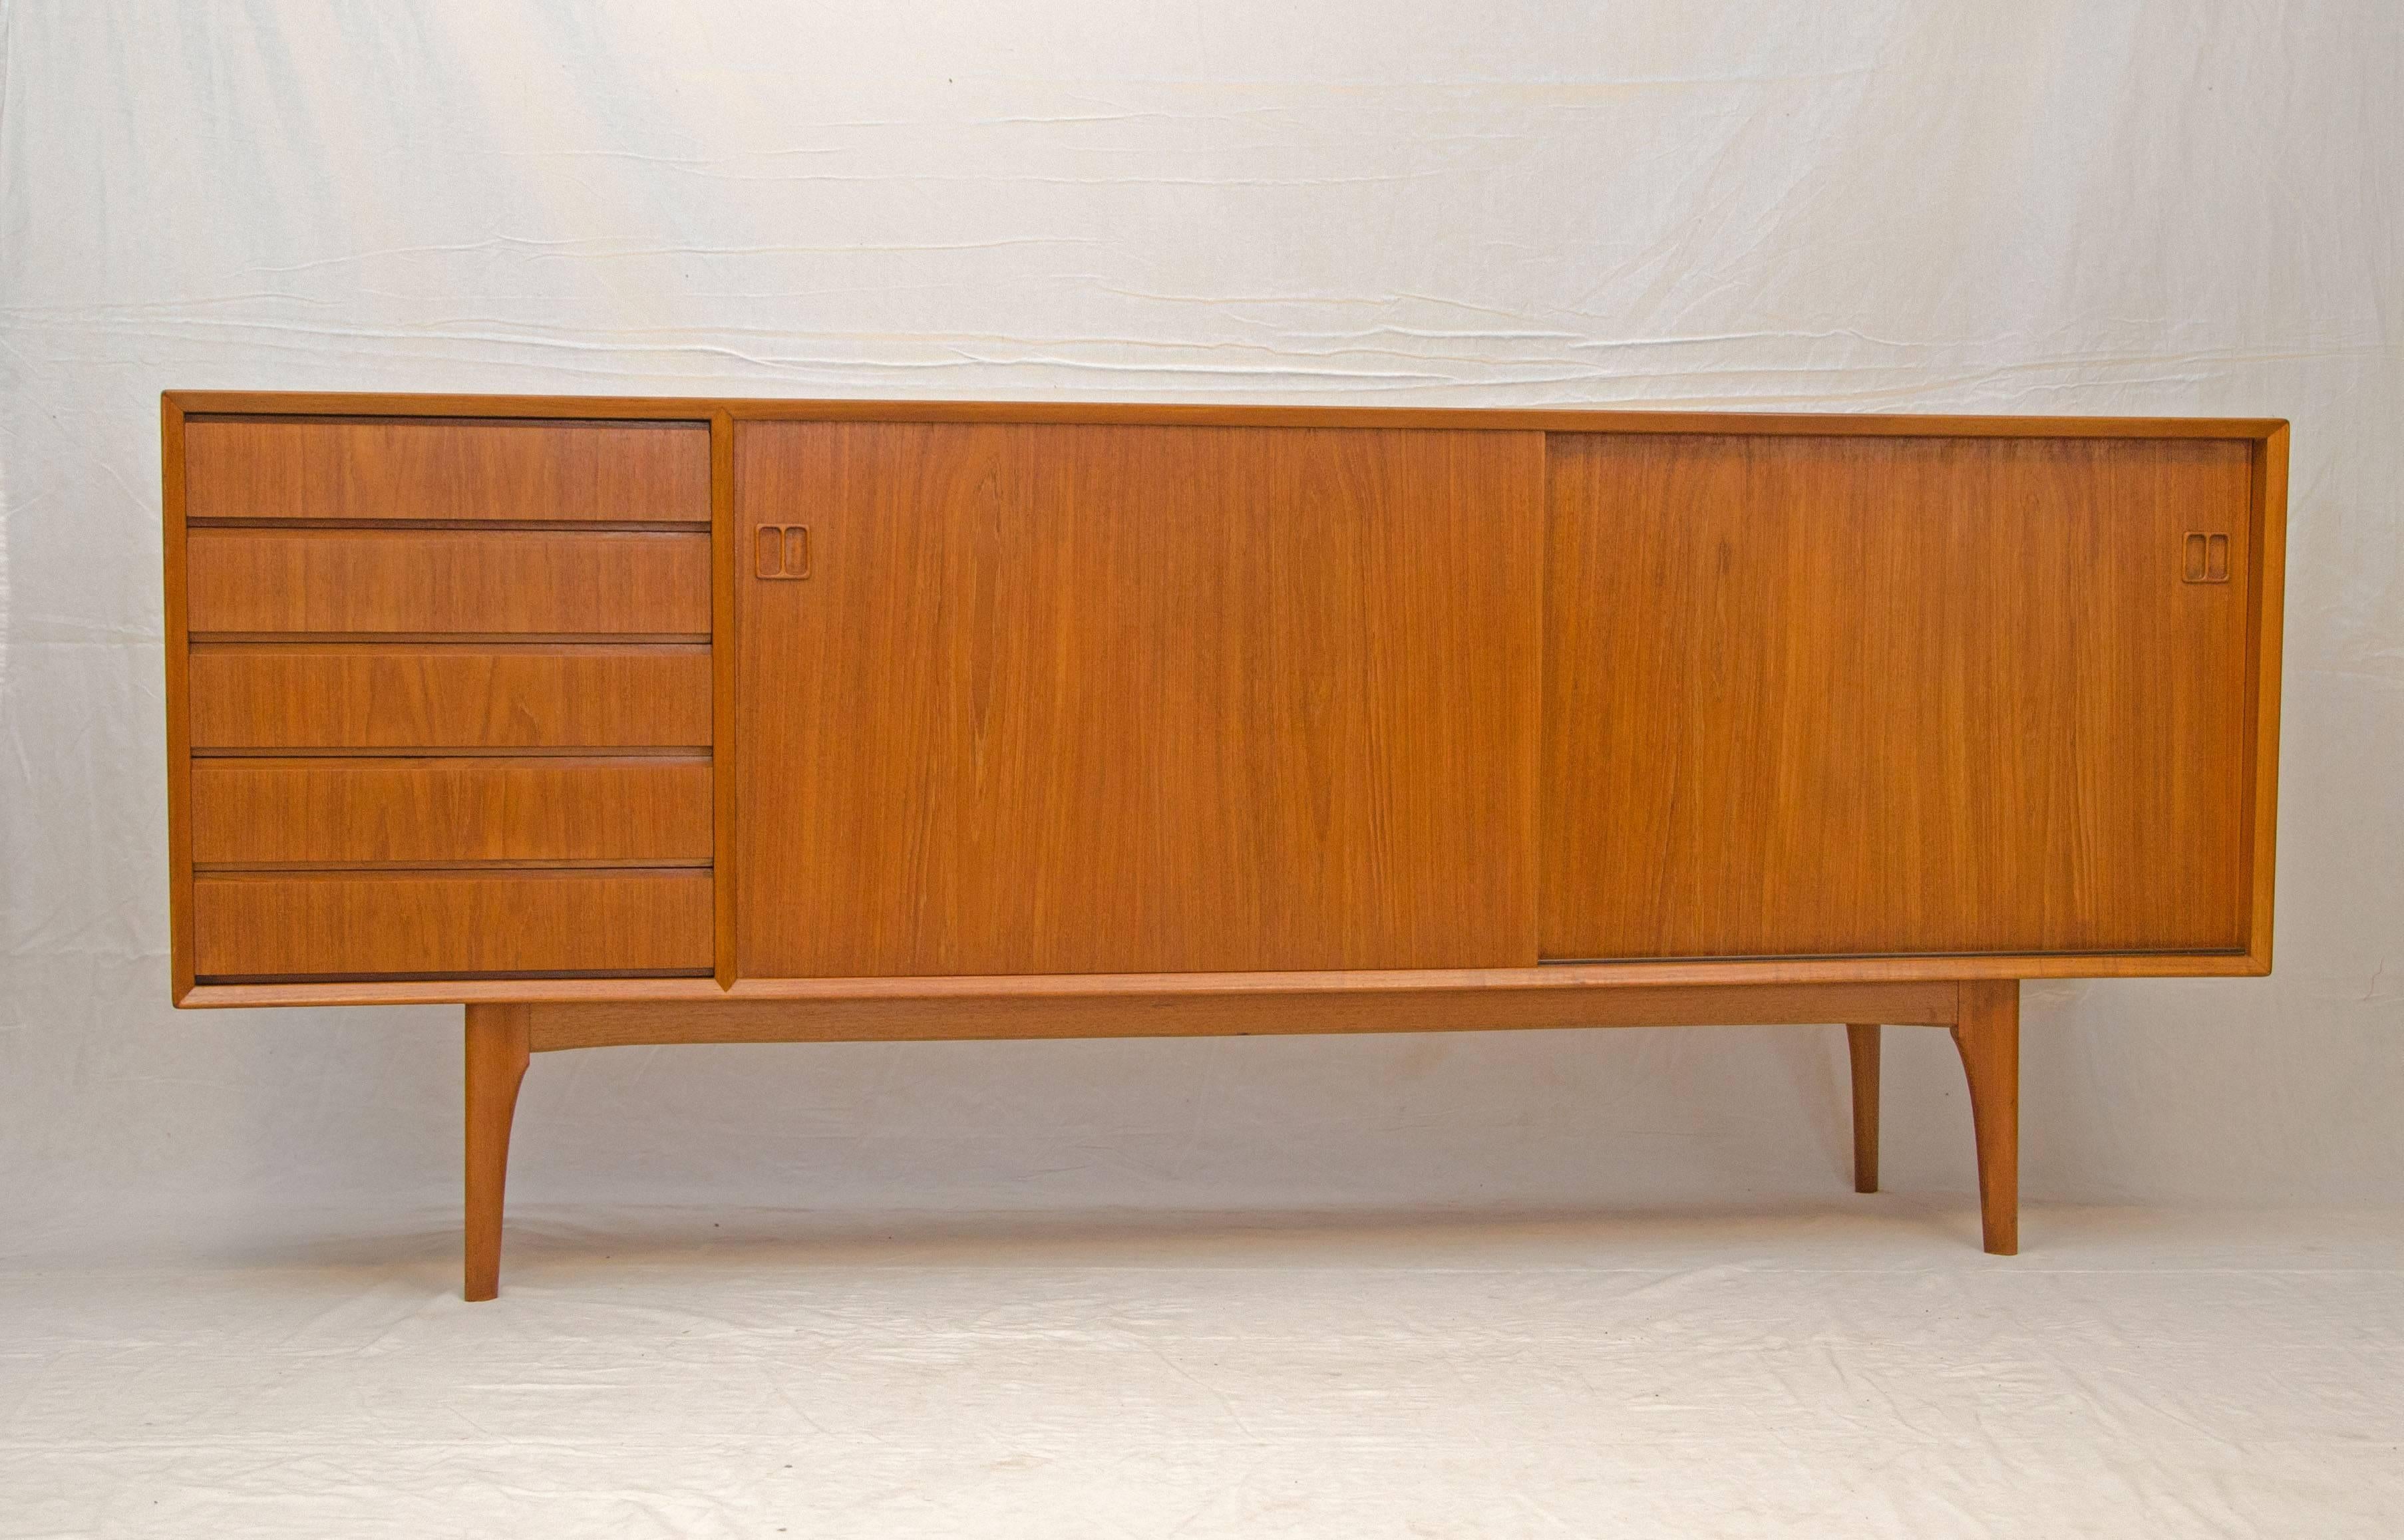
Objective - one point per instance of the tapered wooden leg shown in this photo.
(499, 1038)
(1989, 1035)
(1862, 1043)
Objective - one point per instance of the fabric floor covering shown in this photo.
(1860, 1370)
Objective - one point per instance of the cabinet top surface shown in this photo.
(1223, 414)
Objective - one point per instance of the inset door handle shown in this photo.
(781, 551)
(2208, 558)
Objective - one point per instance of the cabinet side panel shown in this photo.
(2265, 650)
(1076, 699)
(179, 721)
(723, 680)
(1815, 696)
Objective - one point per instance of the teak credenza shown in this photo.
(650, 721)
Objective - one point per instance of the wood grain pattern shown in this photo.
(1862, 1049)
(1267, 986)
(1133, 1013)
(2263, 440)
(458, 923)
(512, 471)
(445, 811)
(498, 1038)
(724, 679)
(277, 695)
(1987, 1034)
(2266, 602)
(1172, 1012)
(1264, 985)
(485, 582)
(1077, 699)
(1863, 695)
(179, 722)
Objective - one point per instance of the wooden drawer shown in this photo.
(444, 811)
(405, 696)
(452, 924)
(480, 581)
(446, 470)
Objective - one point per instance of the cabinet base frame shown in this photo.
(1983, 1016)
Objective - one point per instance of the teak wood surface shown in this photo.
(1862, 1047)
(405, 697)
(1878, 696)
(650, 810)
(362, 599)
(473, 582)
(497, 1041)
(431, 923)
(473, 471)
(646, 720)
(1077, 699)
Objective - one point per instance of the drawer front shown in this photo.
(447, 692)
(430, 581)
(403, 696)
(445, 811)
(452, 924)
(446, 470)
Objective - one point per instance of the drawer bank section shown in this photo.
(446, 703)
(561, 699)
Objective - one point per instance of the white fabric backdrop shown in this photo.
(2176, 207)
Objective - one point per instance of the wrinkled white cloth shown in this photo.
(1853, 1367)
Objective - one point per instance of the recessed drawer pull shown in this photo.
(781, 551)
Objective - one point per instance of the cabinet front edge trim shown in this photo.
(1172, 985)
